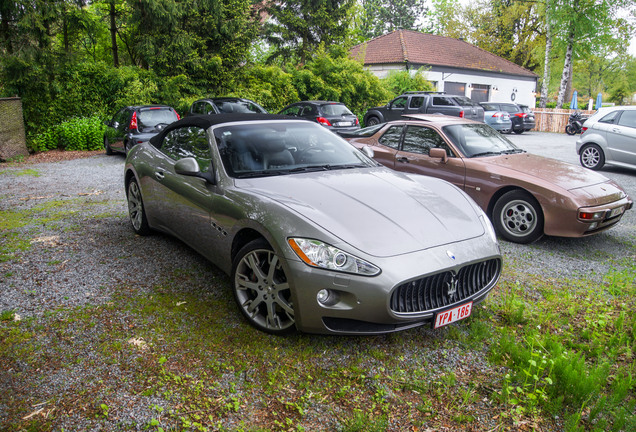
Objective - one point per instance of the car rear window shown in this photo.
(490, 107)
(335, 110)
(151, 117)
(463, 101)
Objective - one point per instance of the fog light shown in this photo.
(323, 296)
(592, 226)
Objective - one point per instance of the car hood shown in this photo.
(378, 211)
(561, 174)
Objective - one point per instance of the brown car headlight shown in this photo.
(322, 255)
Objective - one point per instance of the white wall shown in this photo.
(502, 87)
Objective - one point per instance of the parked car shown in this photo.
(424, 103)
(495, 118)
(525, 195)
(529, 122)
(133, 125)
(314, 234)
(335, 116)
(521, 121)
(609, 137)
(227, 105)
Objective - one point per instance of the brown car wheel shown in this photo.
(261, 289)
(518, 218)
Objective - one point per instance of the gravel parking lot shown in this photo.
(73, 254)
(66, 242)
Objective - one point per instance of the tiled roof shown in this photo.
(417, 48)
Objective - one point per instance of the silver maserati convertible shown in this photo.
(315, 235)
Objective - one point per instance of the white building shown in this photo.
(452, 65)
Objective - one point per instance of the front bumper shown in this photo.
(367, 305)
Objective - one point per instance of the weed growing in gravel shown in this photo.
(574, 355)
(19, 173)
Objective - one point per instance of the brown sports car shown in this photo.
(524, 195)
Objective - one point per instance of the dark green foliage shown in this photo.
(301, 26)
(79, 133)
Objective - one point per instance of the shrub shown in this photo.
(78, 133)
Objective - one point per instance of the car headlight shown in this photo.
(315, 253)
(488, 226)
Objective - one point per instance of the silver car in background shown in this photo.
(314, 234)
(497, 119)
(609, 137)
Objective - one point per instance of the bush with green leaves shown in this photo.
(78, 133)
(398, 82)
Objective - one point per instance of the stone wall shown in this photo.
(12, 137)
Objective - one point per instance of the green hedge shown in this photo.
(79, 133)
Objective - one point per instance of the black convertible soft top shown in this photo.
(205, 121)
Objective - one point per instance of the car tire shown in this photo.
(592, 157)
(372, 121)
(518, 131)
(136, 210)
(518, 218)
(261, 288)
(109, 151)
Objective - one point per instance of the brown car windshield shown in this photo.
(279, 148)
(476, 140)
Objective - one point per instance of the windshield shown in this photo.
(279, 148)
(366, 132)
(240, 106)
(475, 140)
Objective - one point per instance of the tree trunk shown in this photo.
(546, 69)
(567, 68)
(113, 34)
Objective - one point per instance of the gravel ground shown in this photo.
(86, 246)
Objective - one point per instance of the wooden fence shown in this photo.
(554, 120)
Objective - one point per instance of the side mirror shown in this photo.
(438, 153)
(190, 167)
(368, 151)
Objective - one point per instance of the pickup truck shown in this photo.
(424, 103)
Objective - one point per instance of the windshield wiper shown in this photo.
(488, 153)
(513, 151)
(263, 173)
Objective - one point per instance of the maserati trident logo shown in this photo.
(451, 286)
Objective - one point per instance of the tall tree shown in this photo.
(584, 26)
(297, 28)
(383, 16)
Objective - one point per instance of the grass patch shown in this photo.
(20, 173)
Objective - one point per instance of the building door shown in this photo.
(479, 93)
(455, 88)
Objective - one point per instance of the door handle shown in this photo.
(159, 175)
(403, 159)
(616, 130)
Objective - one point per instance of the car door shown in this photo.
(414, 156)
(184, 203)
(388, 145)
(116, 131)
(396, 108)
(621, 138)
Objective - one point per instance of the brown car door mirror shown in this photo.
(438, 153)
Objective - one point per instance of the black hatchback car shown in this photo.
(332, 115)
(136, 124)
(225, 105)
